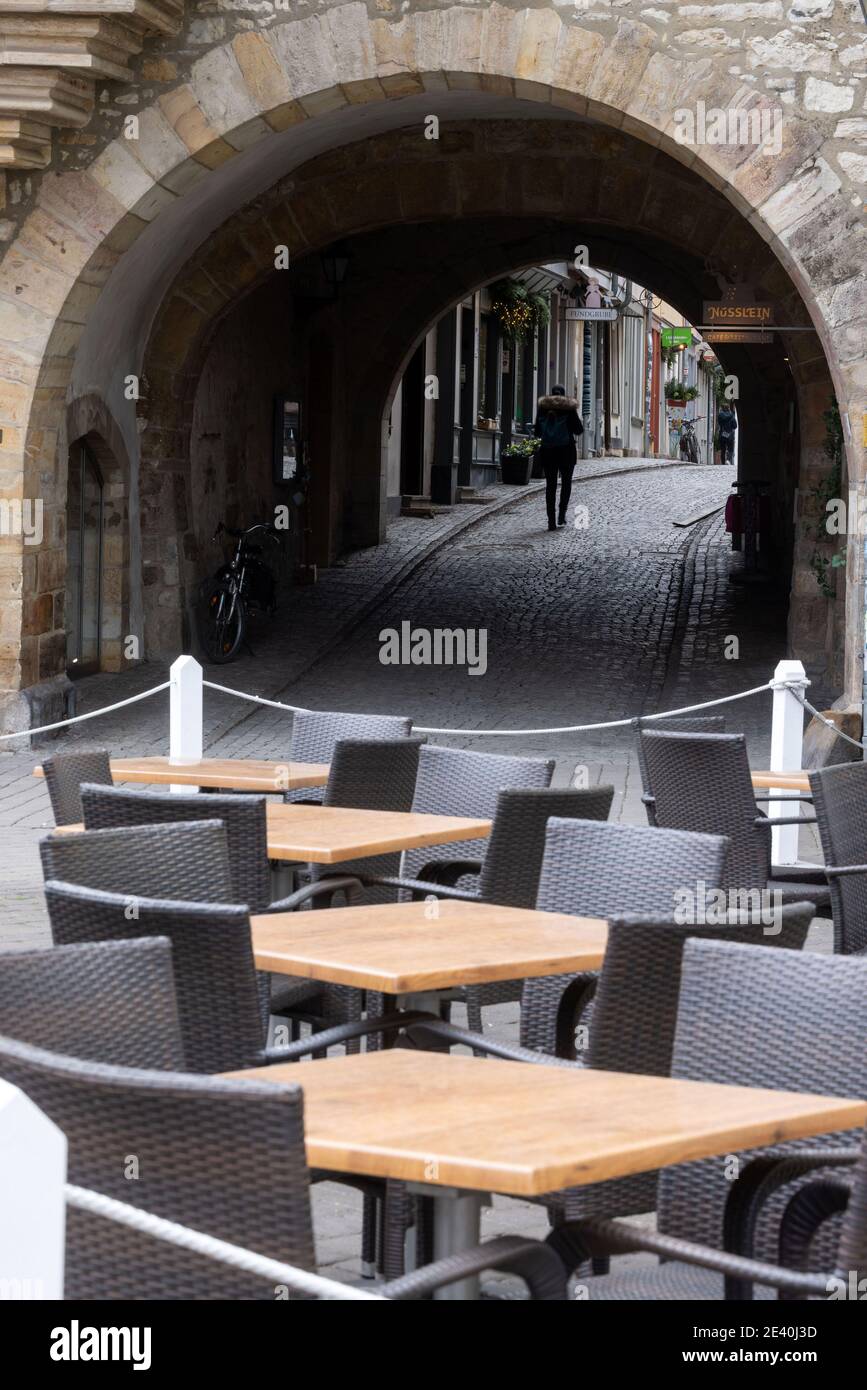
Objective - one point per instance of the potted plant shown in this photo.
(677, 393)
(516, 460)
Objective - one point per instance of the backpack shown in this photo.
(555, 429)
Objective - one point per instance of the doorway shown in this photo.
(84, 521)
(412, 426)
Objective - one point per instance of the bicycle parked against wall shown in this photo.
(242, 586)
(688, 443)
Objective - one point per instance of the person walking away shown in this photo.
(558, 425)
(726, 424)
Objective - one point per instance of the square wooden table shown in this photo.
(240, 774)
(464, 1126)
(332, 834)
(419, 947)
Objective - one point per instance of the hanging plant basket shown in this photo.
(518, 313)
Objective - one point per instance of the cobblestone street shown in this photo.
(625, 616)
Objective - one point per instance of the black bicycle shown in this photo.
(244, 585)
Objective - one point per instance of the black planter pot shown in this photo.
(516, 470)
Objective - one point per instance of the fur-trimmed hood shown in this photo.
(558, 403)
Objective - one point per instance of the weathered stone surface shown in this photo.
(218, 86)
(806, 191)
(855, 165)
(827, 96)
(789, 50)
(262, 73)
(307, 55)
(190, 124)
(158, 147)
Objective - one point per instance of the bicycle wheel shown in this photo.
(222, 621)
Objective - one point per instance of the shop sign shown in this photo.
(676, 337)
(590, 315)
(731, 335)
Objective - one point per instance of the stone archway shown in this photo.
(468, 223)
(262, 103)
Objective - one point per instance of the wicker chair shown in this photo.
(681, 724)
(840, 798)
(181, 861)
(188, 862)
(702, 782)
(594, 869)
(206, 1152)
(223, 1014)
(454, 782)
(315, 732)
(761, 1041)
(509, 873)
(64, 774)
(107, 808)
(102, 1001)
(371, 774)
(247, 841)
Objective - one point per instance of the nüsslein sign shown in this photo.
(728, 315)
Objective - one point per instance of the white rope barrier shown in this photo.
(94, 714)
(255, 699)
(463, 733)
(513, 733)
(235, 1256)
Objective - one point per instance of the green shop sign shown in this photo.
(676, 337)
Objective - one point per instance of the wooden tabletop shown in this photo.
(400, 948)
(517, 1128)
(782, 781)
(242, 774)
(330, 834)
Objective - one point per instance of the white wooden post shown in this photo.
(185, 719)
(32, 1207)
(787, 740)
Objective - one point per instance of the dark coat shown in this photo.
(549, 404)
(726, 421)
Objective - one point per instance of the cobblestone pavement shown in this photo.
(627, 614)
